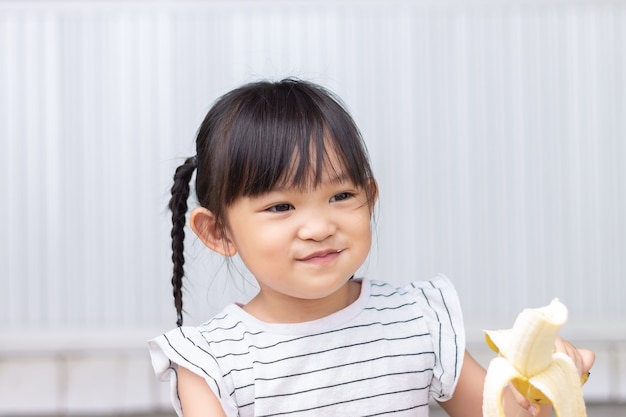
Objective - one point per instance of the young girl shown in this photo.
(284, 181)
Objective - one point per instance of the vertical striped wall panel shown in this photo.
(497, 132)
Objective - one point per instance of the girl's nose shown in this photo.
(317, 226)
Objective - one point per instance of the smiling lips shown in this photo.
(322, 256)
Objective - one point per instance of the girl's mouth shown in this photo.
(322, 256)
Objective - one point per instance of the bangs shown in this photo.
(283, 136)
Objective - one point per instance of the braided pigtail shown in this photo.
(178, 206)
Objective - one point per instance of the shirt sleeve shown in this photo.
(185, 346)
(441, 307)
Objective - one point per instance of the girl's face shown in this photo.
(302, 246)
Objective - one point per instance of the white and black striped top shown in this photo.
(386, 353)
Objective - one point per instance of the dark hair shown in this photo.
(259, 136)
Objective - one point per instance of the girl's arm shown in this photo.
(467, 400)
(468, 395)
(196, 398)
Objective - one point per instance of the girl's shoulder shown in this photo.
(223, 327)
(436, 304)
(198, 349)
(436, 288)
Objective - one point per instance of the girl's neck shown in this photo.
(273, 307)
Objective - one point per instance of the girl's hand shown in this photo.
(582, 358)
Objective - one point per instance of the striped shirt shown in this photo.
(387, 353)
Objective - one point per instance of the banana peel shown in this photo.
(526, 361)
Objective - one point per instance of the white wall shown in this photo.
(496, 129)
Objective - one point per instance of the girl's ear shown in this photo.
(211, 232)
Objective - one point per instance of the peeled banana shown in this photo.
(528, 363)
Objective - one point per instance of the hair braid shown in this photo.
(178, 206)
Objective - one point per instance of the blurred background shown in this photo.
(497, 131)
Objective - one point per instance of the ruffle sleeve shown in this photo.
(441, 308)
(185, 346)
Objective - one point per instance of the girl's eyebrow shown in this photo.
(340, 179)
(339, 176)
(333, 179)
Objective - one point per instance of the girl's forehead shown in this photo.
(329, 172)
(327, 168)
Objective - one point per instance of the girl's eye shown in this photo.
(279, 208)
(340, 197)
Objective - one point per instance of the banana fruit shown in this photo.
(527, 362)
